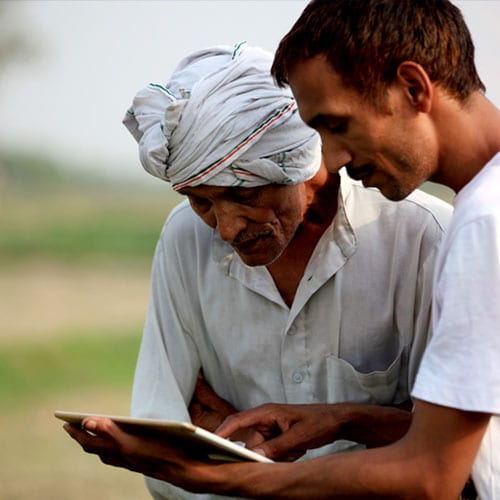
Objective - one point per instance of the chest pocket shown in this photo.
(345, 383)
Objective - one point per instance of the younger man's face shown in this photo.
(390, 148)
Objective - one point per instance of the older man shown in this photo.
(281, 281)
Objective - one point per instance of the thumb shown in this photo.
(282, 446)
(254, 438)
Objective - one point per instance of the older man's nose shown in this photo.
(229, 222)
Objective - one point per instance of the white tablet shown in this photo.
(204, 442)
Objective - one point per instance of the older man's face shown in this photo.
(258, 223)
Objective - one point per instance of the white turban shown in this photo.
(221, 120)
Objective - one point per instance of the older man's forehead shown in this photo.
(220, 191)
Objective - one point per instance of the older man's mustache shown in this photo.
(245, 237)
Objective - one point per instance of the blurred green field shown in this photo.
(35, 369)
(77, 227)
(75, 257)
(78, 217)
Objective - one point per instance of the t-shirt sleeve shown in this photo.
(461, 367)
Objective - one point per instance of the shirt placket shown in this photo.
(294, 362)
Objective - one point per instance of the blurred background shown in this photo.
(79, 218)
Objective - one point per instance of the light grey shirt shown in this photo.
(355, 332)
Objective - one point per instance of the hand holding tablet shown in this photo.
(204, 442)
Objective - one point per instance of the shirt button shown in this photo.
(298, 377)
(292, 330)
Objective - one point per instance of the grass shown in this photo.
(51, 212)
(82, 226)
(38, 369)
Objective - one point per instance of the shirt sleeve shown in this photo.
(168, 361)
(460, 367)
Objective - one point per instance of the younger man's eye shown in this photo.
(337, 127)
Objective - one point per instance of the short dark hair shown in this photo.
(366, 40)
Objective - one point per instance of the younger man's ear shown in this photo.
(417, 85)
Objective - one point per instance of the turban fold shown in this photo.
(221, 120)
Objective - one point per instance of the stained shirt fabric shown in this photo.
(460, 369)
(355, 332)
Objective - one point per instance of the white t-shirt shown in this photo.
(461, 366)
(355, 331)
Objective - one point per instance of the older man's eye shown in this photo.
(198, 203)
(243, 200)
(245, 196)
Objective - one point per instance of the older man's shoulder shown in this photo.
(440, 209)
(418, 208)
(183, 223)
